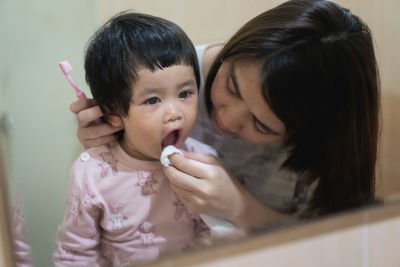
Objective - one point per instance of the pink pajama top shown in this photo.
(121, 211)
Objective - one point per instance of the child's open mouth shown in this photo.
(171, 139)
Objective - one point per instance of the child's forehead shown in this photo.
(173, 71)
(158, 67)
(175, 76)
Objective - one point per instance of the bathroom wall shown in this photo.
(42, 143)
(383, 18)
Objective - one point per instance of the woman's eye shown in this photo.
(185, 94)
(227, 87)
(152, 101)
(261, 129)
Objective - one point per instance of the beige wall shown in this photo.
(215, 20)
(204, 21)
(383, 18)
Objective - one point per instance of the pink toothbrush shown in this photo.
(66, 68)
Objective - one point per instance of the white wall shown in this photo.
(35, 36)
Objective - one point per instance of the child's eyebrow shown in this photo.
(190, 82)
(148, 91)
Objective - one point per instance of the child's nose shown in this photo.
(172, 113)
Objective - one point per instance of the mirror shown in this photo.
(39, 133)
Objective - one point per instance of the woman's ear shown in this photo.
(115, 121)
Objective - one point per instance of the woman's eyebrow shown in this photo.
(234, 80)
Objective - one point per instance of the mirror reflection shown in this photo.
(280, 123)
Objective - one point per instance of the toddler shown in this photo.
(143, 73)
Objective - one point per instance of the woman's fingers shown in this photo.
(205, 187)
(190, 200)
(201, 166)
(99, 141)
(208, 159)
(96, 131)
(91, 133)
(89, 115)
(81, 104)
(87, 111)
(182, 180)
(97, 134)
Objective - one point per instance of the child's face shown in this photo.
(162, 112)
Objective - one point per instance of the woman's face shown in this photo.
(239, 109)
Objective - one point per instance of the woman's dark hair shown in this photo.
(123, 46)
(320, 77)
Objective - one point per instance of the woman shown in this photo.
(293, 105)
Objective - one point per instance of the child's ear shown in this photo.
(115, 121)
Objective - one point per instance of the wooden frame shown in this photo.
(330, 241)
(6, 251)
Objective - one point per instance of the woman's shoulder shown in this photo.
(210, 53)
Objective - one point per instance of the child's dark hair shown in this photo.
(123, 46)
(320, 77)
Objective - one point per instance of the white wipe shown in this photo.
(168, 151)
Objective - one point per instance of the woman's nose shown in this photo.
(172, 112)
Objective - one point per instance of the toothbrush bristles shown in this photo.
(66, 66)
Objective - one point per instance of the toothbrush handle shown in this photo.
(79, 93)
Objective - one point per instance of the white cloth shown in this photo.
(168, 151)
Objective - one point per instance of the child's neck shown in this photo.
(132, 151)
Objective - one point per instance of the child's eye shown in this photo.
(185, 94)
(152, 101)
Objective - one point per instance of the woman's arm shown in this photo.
(205, 186)
(89, 133)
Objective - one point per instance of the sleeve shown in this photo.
(78, 235)
(192, 145)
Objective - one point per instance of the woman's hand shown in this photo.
(204, 186)
(89, 133)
